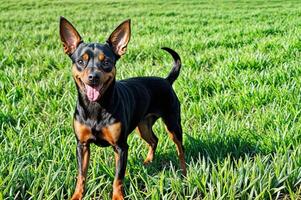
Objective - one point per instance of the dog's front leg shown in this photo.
(121, 154)
(83, 156)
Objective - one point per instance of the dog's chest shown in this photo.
(101, 134)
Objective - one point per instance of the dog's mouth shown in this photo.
(94, 92)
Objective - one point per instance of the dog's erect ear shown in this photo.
(69, 36)
(120, 37)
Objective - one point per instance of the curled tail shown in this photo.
(175, 71)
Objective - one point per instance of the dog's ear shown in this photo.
(69, 36)
(120, 37)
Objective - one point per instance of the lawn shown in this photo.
(239, 87)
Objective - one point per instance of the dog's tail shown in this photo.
(175, 71)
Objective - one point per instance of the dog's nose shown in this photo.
(93, 77)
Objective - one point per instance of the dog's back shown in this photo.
(143, 97)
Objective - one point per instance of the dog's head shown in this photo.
(93, 66)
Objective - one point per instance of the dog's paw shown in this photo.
(147, 161)
(76, 196)
(117, 196)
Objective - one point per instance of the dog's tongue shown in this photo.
(92, 92)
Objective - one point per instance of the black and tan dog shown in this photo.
(107, 111)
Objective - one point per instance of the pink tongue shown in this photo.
(92, 92)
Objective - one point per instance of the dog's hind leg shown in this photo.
(145, 131)
(174, 129)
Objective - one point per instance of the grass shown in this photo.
(239, 88)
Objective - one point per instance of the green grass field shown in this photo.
(240, 90)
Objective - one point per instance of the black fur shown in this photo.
(135, 102)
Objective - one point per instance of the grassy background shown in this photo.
(239, 88)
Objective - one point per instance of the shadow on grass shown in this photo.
(221, 147)
(212, 149)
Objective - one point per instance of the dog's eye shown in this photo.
(107, 62)
(80, 62)
(107, 65)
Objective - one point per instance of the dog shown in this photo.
(107, 110)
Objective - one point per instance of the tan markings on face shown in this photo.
(78, 76)
(101, 56)
(85, 57)
(108, 77)
(111, 133)
(81, 77)
(83, 132)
